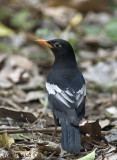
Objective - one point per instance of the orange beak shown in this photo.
(43, 42)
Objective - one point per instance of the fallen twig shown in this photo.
(46, 130)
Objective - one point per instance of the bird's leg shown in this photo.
(56, 125)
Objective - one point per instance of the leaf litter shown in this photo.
(26, 121)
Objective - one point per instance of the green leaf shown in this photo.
(5, 31)
(43, 32)
(90, 156)
(18, 137)
(22, 20)
(24, 137)
(92, 29)
(111, 29)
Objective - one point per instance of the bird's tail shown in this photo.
(70, 138)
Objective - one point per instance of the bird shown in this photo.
(66, 91)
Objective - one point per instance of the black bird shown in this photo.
(66, 93)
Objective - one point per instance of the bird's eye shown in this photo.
(57, 45)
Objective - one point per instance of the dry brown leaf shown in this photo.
(104, 158)
(94, 129)
(29, 97)
(19, 75)
(61, 15)
(50, 147)
(39, 156)
(21, 116)
(25, 154)
(97, 18)
(112, 136)
(104, 123)
(112, 110)
(20, 61)
(17, 69)
(35, 83)
(107, 73)
(81, 5)
(5, 84)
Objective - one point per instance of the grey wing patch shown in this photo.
(80, 95)
(52, 89)
(69, 93)
(58, 93)
(70, 98)
(67, 97)
(62, 99)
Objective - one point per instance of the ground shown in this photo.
(26, 121)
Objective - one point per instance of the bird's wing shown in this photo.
(69, 98)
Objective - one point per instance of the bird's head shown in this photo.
(59, 47)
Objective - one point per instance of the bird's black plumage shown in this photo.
(66, 93)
